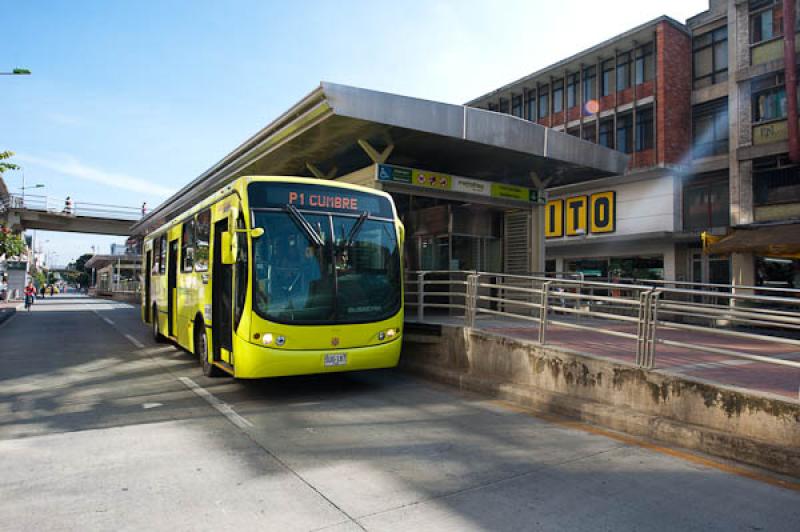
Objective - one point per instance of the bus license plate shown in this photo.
(336, 359)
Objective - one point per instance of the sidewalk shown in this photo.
(8, 308)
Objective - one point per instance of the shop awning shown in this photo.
(777, 240)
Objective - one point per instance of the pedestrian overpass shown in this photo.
(21, 212)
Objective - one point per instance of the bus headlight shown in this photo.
(267, 338)
(388, 334)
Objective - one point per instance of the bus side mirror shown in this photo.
(257, 232)
(227, 251)
(402, 230)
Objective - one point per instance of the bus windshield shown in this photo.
(316, 267)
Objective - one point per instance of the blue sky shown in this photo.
(130, 100)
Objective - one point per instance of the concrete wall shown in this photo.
(727, 422)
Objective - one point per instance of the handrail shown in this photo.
(475, 294)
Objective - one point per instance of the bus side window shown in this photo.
(202, 236)
(156, 256)
(162, 255)
(187, 245)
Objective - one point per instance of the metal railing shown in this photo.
(60, 206)
(642, 312)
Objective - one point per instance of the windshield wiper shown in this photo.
(356, 228)
(304, 224)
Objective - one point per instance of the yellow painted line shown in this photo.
(630, 440)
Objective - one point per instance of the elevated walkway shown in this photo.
(51, 214)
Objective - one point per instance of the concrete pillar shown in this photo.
(743, 272)
(739, 115)
(670, 263)
(537, 238)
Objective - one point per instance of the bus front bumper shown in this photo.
(254, 361)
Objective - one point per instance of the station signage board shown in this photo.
(579, 215)
(452, 183)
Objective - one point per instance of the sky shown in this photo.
(128, 101)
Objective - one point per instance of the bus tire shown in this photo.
(201, 350)
(157, 336)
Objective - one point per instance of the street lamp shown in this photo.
(23, 187)
(17, 72)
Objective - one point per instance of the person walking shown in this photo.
(42, 291)
(68, 207)
(30, 293)
(144, 209)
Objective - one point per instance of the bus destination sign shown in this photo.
(266, 194)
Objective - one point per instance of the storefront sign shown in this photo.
(578, 215)
(603, 211)
(464, 185)
(554, 219)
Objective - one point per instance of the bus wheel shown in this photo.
(201, 350)
(157, 336)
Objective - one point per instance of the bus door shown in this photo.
(221, 299)
(172, 285)
(148, 268)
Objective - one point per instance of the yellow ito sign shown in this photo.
(578, 215)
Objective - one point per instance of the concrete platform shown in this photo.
(726, 370)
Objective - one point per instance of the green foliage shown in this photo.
(81, 274)
(39, 278)
(4, 156)
(11, 245)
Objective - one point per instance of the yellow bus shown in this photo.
(275, 276)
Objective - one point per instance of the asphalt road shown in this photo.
(102, 429)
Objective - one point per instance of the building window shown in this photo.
(710, 128)
(544, 102)
(644, 129)
(623, 71)
(644, 63)
(589, 133)
(705, 204)
(607, 81)
(516, 105)
(574, 131)
(558, 96)
(493, 107)
(710, 58)
(572, 91)
(187, 246)
(606, 137)
(625, 133)
(766, 20)
(769, 98)
(589, 76)
(503, 107)
(532, 105)
(775, 180)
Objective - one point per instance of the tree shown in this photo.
(11, 245)
(4, 156)
(79, 266)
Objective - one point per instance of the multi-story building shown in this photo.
(701, 110)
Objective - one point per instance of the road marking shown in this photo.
(107, 320)
(630, 440)
(134, 341)
(222, 407)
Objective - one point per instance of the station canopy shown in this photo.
(327, 128)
